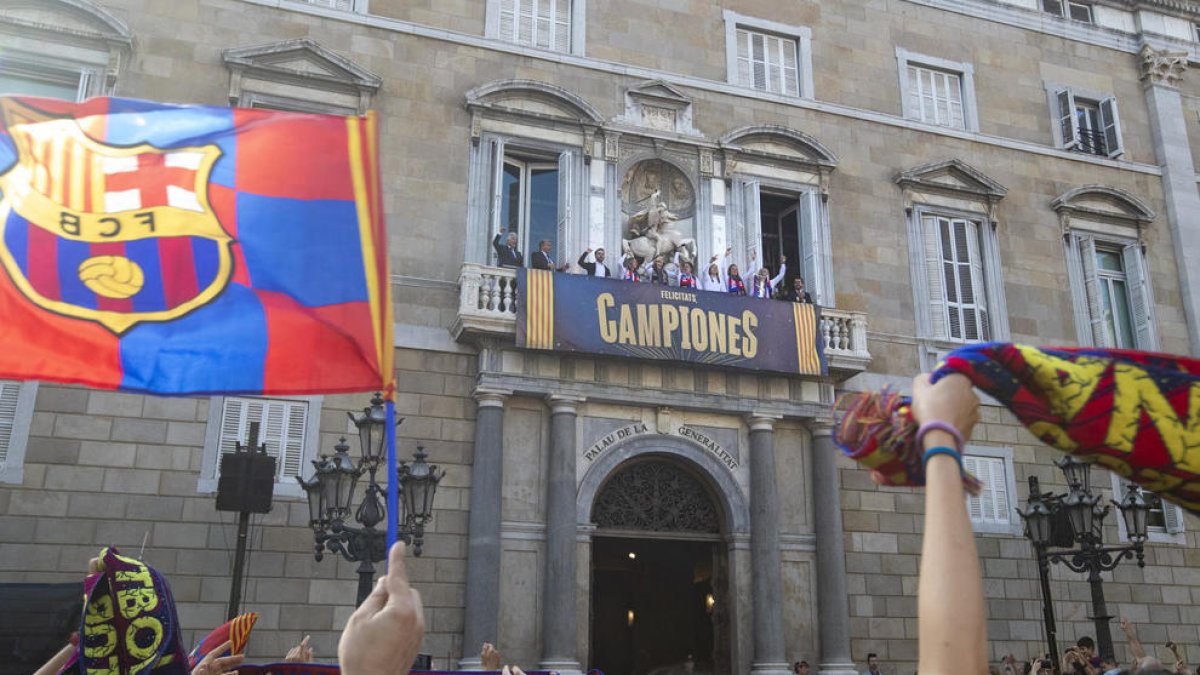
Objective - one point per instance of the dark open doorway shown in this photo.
(655, 603)
(780, 233)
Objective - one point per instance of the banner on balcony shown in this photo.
(576, 313)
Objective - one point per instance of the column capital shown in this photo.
(820, 426)
(1162, 66)
(562, 403)
(762, 421)
(491, 398)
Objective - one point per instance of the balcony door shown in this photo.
(775, 221)
(529, 203)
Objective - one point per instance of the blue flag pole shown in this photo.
(393, 489)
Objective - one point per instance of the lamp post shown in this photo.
(331, 491)
(1068, 529)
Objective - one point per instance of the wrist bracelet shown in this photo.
(940, 426)
(942, 450)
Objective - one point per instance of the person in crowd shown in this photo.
(685, 278)
(872, 665)
(507, 254)
(541, 258)
(763, 284)
(797, 293)
(656, 272)
(800, 667)
(212, 664)
(712, 279)
(1077, 660)
(384, 634)
(629, 269)
(301, 653)
(593, 263)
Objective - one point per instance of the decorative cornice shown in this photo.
(1162, 66)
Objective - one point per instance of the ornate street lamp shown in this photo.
(1083, 550)
(331, 492)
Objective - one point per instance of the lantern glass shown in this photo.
(1078, 506)
(1134, 509)
(371, 435)
(418, 484)
(1037, 521)
(312, 489)
(1076, 472)
(342, 477)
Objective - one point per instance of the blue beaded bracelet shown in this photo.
(943, 450)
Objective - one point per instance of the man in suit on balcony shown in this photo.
(541, 259)
(594, 265)
(507, 254)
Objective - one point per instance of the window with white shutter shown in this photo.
(768, 62)
(1112, 292)
(288, 427)
(333, 4)
(937, 91)
(992, 509)
(768, 56)
(1164, 522)
(545, 24)
(955, 274)
(1087, 122)
(16, 413)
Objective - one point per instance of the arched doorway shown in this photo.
(659, 577)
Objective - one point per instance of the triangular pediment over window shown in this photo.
(954, 176)
(286, 74)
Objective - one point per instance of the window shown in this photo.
(1164, 522)
(16, 413)
(1088, 124)
(534, 187)
(768, 56)
(954, 269)
(1078, 11)
(287, 426)
(545, 24)
(333, 4)
(937, 91)
(992, 510)
(781, 219)
(301, 76)
(66, 84)
(767, 62)
(1115, 292)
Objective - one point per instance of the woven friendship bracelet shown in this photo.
(943, 450)
(940, 426)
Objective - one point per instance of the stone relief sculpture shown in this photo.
(663, 204)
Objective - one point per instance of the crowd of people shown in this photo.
(719, 277)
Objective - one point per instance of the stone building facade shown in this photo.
(1042, 150)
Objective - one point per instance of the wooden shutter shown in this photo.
(976, 504)
(495, 197)
(991, 506)
(934, 274)
(1067, 123)
(1110, 123)
(748, 233)
(508, 20)
(791, 75)
(1091, 287)
(1172, 517)
(1139, 297)
(810, 243)
(566, 203)
(282, 426)
(9, 392)
(562, 25)
(975, 319)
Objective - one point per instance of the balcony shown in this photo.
(488, 306)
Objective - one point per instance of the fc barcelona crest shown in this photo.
(112, 234)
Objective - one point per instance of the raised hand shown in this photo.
(212, 664)
(384, 633)
(301, 653)
(490, 656)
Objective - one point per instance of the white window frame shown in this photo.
(12, 459)
(285, 486)
(487, 181)
(1174, 533)
(966, 76)
(1066, 7)
(1084, 278)
(575, 40)
(1002, 457)
(801, 34)
(88, 78)
(1065, 127)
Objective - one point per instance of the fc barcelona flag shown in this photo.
(188, 249)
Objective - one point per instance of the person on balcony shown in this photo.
(629, 269)
(733, 279)
(763, 284)
(797, 293)
(507, 254)
(713, 279)
(593, 264)
(541, 260)
(684, 278)
(656, 272)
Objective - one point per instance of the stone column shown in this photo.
(482, 611)
(833, 610)
(1161, 72)
(558, 599)
(769, 656)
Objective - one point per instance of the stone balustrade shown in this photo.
(488, 305)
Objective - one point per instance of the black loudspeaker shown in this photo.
(246, 483)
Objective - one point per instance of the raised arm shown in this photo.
(1135, 645)
(782, 272)
(950, 612)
